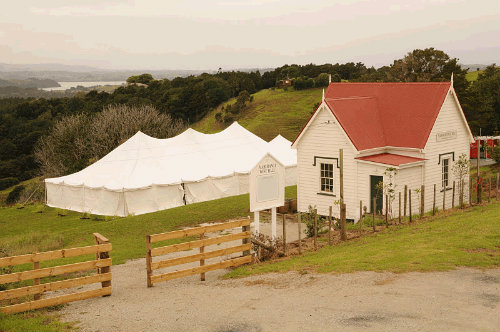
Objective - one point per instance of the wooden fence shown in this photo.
(245, 247)
(102, 263)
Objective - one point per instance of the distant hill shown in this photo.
(29, 83)
(271, 112)
(474, 67)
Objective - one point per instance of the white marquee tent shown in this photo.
(146, 174)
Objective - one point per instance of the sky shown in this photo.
(208, 34)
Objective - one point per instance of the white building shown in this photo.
(417, 128)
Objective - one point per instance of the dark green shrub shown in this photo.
(308, 219)
(14, 195)
(8, 182)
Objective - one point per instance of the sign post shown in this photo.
(267, 189)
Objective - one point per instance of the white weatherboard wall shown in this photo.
(448, 119)
(146, 174)
(323, 138)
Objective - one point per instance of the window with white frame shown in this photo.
(445, 168)
(326, 178)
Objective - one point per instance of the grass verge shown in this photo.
(469, 238)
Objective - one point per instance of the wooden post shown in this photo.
(360, 215)
(36, 281)
(273, 224)
(148, 260)
(489, 188)
(256, 222)
(405, 201)
(386, 210)
(453, 196)
(434, 202)
(284, 233)
(300, 232)
(202, 261)
(461, 194)
(470, 191)
(245, 240)
(422, 201)
(496, 190)
(330, 226)
(341, 173)
(374, 208)
(479, 190)
(444, 198)
(409, 205)
(343, 235)
(315, 228)
(105, 255)
(399, 217)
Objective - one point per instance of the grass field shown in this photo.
(469, 238)
(272, 112)
(472, 75)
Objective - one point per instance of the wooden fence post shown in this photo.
(434, 202)
(374, 208)
(104, 255)
(202, 261)
(496, 190)
(399, 217)
(489, 188)
(343, 235)
(246, 240)
(444, 198)
(470, 191)
(360, 215)
(405, 201)
(148, 260)
(422, 201)
(453, 196)
(315, 228)
(461, 194)
(330, 226)
(479, 190)
(36, 281)
(284, 233)
(386, 210)
(409, 205)
(300, 232)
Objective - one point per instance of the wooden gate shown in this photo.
(244, 235)
(102, 263)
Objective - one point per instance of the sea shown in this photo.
(69, 85)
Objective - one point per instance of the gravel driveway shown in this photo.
(459, 300)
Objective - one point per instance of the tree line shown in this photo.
(23, 121)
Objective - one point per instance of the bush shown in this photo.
(8, 182)
(218, 117)
(14, 195)
(308, 219)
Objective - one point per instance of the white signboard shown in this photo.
(446, 135)
(267, 184)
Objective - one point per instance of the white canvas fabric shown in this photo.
(145, 174)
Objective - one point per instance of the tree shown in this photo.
(143, 79)
(428, 65)
(76, 141)
(461, 169)
(322, 80)
(482, 103)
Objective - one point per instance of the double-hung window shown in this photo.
(445, 168)
(326, 178)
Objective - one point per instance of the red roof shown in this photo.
(387, 114)
(390, 159)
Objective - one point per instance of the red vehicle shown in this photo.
(485, 141)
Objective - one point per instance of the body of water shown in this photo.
(69, 85)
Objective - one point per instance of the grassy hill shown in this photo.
(271, 112)
(472, 75)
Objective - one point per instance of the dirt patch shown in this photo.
(384, 281)
(363, 321)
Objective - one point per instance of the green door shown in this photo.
(377, 193)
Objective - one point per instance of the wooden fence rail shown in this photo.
(102, 263)
(151, 252)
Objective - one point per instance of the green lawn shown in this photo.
(472, 75)
(468, 238)
(272, 112)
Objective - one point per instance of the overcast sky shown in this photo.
(206, 34)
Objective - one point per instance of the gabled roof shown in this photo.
(390, 159)
(386, 114)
